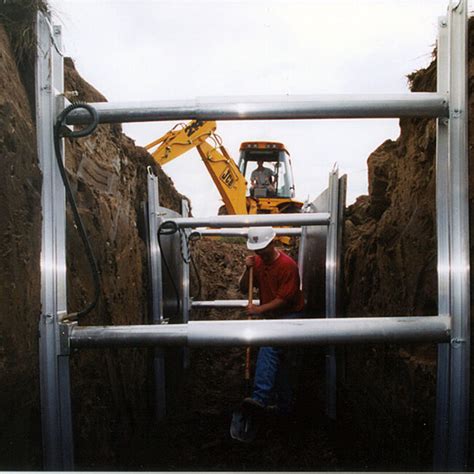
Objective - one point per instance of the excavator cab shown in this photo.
(275, 160)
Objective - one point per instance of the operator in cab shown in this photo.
(262, 179)
(277, 278)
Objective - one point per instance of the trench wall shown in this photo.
(390, 269)
(108, 175)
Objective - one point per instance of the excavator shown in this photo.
(275, 197)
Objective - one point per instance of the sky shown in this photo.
(181, 49)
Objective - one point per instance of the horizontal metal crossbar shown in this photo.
(287, 231)
(268, 332)
(316, 218)
(415, 104)
(221, 304)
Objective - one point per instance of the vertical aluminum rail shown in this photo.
(442, 222)
(154, 253)
(54, 366)
(185, 277)
(459, 296)
(154, 248)
(331, 290)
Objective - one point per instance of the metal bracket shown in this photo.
(65, 330)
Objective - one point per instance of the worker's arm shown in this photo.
(244, 279)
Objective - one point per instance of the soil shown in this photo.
(386, 393)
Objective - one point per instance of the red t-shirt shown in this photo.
(279, 279)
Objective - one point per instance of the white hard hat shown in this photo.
(259, 237)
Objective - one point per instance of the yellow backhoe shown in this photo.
(272, 195)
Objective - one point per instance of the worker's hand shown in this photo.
(250, 261)
(253, 310)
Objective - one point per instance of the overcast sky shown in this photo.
(182, 49)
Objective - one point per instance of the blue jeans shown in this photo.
(272, 385)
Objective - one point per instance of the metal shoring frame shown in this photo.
(442, 222)
(282, 332)
(459, 239)
(331, 291)
(155, 254)
(328, 106)
(242, 232)
(320, 218)
(430, 105)
(221, 304)
(159, 373)
(185, 278)
(56, 419)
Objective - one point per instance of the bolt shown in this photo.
(456, 342)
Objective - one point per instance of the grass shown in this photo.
(18, 17)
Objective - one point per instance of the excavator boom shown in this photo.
(226, 175)
(180, 140)
(222, 168)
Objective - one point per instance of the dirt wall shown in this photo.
(390, 263)
(20, 224)
(108, 175)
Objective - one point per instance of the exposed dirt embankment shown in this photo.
(20, 227)
(390, 269)
(108, 175)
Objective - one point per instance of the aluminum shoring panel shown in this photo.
(419, 104)
(332, 265)
(268, 332)
(319, 263)
(313, 259)
(171, 268)
(459, 240)
(154, 249)
(154, 252)
(54, 367)
(442, 213)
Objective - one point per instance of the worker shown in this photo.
(262, 179)
(277, 278)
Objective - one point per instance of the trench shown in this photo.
(386, 393)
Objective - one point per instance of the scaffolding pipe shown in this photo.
(221, 304)
(336, 106)
(268, 332)
(317, 218)
(287, 231)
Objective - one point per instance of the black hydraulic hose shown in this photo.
(60, 130)
(198, 276)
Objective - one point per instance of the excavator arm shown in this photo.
(222, 168)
